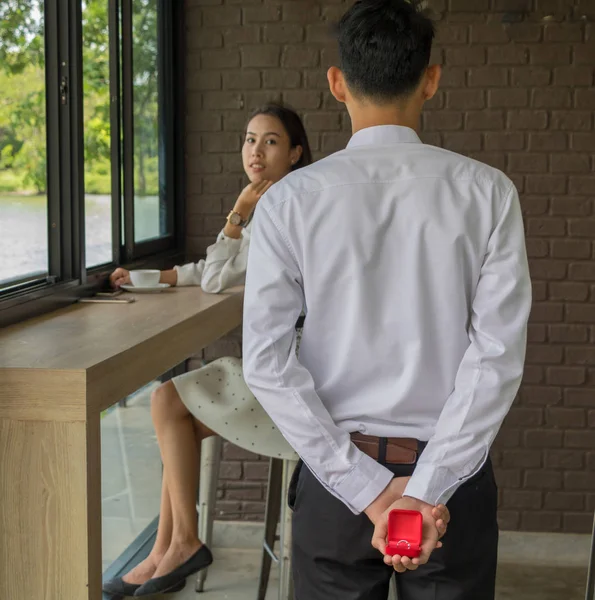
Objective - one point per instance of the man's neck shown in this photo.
(364, 117)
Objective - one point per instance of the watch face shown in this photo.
(235, 219)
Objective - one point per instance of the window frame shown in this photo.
(68, 277)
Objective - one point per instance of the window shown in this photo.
(87, 142)
(23, 168)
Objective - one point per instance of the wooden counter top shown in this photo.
(110, 349)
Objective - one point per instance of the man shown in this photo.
(409, 262)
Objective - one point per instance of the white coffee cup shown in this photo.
(145, 277)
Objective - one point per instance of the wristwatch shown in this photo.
(236, 219)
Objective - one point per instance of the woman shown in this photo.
(275, 144)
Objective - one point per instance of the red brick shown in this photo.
(541, 521)
(508, 98)
(574, 292)
(453, 34)
(591, 423)
(443, 121)
(531, 76)
(260, 56)
(231, 452)
(543, 438)
(504, 140)
(453, 78)
(521, 458)
(565, 417)
(537, 395)
(579, 480)
(234, 37)
(583, 53)
(242, 79)
(563, 32)
(262, 14)
(546, 184)
(282, 79)
(547, 312)
(584, 99)
(485, 120)
(256, 470)
(534, 205)
(462, 141)
(554, 140)
(539, 293)
(573, 76)
(549, 227)
(230, 470)
(564, 459)
(302, 12)
(492, 33)
(208, 38)
(551, 98)
(582, 185)
(508, 55)
(221, 16)
(548, 269)
(533, 374)
(322, 121)
(550, 54)
(577, 522)
(223, 58)
(469, 5)
(303, 99)
(508, 478)
(243, 490)
(527, 119)
(525, 32)
(508, 520)
(583, 142)
(570, 249)
(227, 509)
(537, 333)
(571, 163)
(318, 33)
(543, 480)
(465, 99)
(284, 33)
(524, 417)
(574, 334)
(295, 57)
(333, 142)
(522, 499)
(467, 56)
(564, 501)
(488, 76)
(572, 207)
(571, 120)
(508, 438)
(584, 439)
(527, 163)
(581, 398)
(221, 142)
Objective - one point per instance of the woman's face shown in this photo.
(267, 153)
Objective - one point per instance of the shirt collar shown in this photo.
(384, 135)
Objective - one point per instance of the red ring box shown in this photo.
(404, 533)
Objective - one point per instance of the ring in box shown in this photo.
(404, 533)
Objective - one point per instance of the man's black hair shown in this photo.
(384, 47)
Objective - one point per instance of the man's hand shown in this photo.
(435, 522)
(393, 492)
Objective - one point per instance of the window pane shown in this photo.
(98, 208)
(23, 180)
(149, 201)
(130, 473)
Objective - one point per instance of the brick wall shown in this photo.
(517, 93)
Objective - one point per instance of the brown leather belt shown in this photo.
(397, 451)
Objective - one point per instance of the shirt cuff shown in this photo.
(436, 485)
(364, 483)
(189, 274)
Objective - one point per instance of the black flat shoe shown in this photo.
(166, 583)
(118, 588)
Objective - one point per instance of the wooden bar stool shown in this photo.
(276, 513)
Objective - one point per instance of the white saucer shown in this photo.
(146, 290)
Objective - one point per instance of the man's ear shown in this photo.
(431, 82)
(336, 83)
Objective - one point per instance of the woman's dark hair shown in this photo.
(384, 47)
(294, 127)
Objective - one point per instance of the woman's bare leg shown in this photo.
(145, 570)
(179, 436)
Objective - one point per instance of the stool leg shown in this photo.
(271, 520)
(285, 578)
(392, 590)
(210, 459)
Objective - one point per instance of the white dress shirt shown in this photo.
(224, 266)
(410, 264)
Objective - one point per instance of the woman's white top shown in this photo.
(224, 266)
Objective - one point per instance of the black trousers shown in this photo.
(333, 558)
